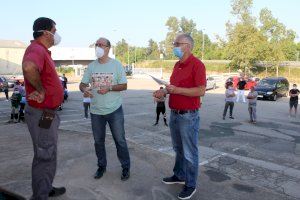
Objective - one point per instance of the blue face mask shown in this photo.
(178, 52)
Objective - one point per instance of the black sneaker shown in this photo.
(57, 191)
(186, 193)
(99, 173)
(125, 174)
(155, 124)
(172, 180)
(231, 117)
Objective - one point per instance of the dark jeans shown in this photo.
(115, 121)
(230, 105)
(45, 153)
(86, 109)
(162, 110)
(184, 132)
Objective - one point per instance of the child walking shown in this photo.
(86, 105)
(252, 99)
(229, 100)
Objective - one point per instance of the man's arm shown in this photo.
(119, 87)
(31, 73)
(190, 92)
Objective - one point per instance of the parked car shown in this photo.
(2, 80)
(211, 83)
(250, 81)
(272, 87)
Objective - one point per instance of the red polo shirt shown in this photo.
(188, 74)
(37, 53)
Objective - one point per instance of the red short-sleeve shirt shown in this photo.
(188, 74)
(37, 53)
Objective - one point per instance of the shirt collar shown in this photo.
(41, 44)
(186, 62)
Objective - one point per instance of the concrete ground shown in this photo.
(238, 160)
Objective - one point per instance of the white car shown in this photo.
(211, 83)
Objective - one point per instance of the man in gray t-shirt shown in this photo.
(252, 99)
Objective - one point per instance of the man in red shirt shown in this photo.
(187, 85)
(44, 94)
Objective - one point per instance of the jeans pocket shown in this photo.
(45, 153)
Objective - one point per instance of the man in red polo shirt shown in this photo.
(187, 85)
(44, 94)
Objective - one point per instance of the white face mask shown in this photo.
(295, 87)
(56, 37)
(99, 52)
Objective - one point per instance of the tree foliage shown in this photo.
(249, 40)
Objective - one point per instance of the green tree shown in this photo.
(281, 43)
(152, 50)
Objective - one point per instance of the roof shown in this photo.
(12, 44)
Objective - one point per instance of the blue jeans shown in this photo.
(184, 132)
(116, 124)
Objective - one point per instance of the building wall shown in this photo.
(11, 60)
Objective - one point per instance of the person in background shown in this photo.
(160, 108)
(86, 105)
(20, 87)
(241, 90)
(22, 109)
(252, 100)
(5, 90)
(65, 81)
(15, 103)
(294, 93)
(229, 100)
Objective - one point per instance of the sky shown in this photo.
(81, 22)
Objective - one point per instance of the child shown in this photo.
(252, 98)
(229, 99)
(160, 108)
(15, 102)
(86, 105)
(294, 93)
(22, 109)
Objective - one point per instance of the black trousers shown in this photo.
(230, 105)
(159, 110)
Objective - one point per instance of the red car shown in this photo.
(250, 82)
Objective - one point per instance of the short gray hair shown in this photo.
(107, 41)
(188, 37)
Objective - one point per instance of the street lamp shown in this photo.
(202, 44)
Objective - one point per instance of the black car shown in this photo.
(272, 87)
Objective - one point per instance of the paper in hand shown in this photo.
(159, 81)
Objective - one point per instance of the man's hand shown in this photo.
(88, 93)
(37, 96)
(103, 90)
(172, 89)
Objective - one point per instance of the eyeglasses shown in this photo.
(177, 44)
(100, 45)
